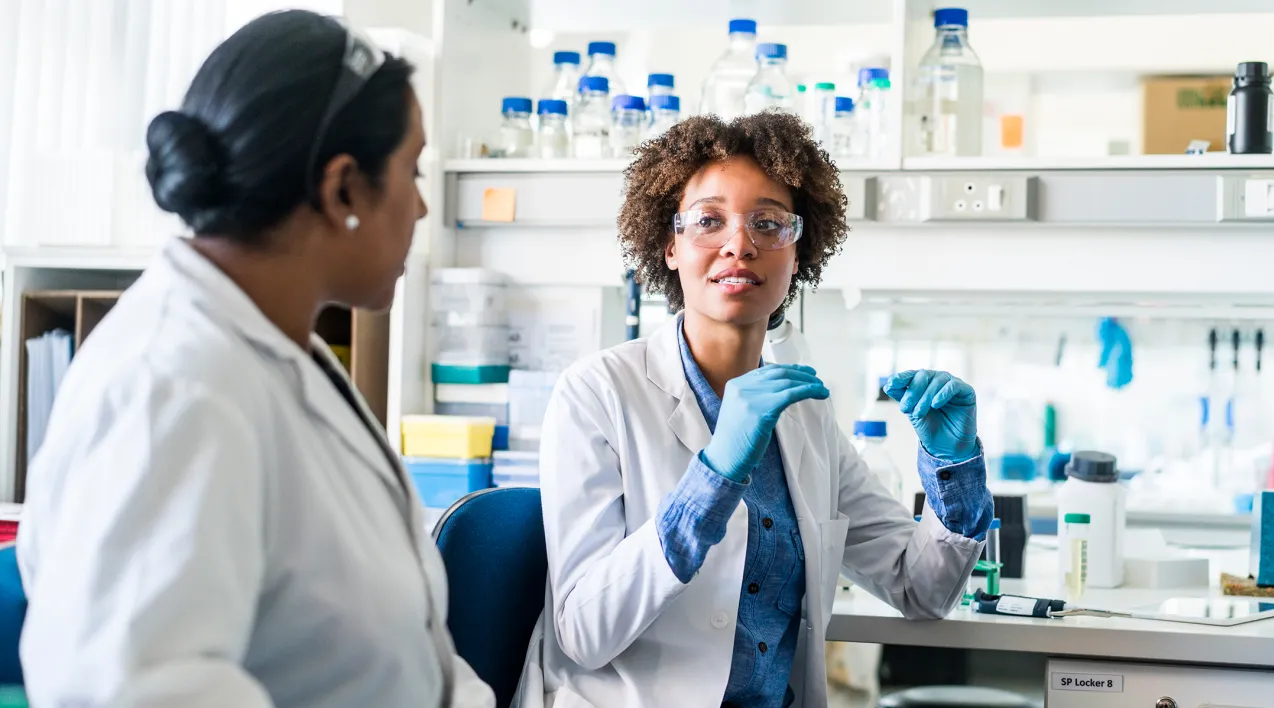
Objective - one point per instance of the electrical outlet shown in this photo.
(995, 197)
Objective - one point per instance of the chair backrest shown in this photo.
(492, 543)
(13, 611)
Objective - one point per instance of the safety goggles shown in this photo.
(361, 59)
(767, 229)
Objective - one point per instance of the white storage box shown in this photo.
(468, 296)
(470, 346)
(515, 469)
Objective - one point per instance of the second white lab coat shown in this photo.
(210, 523)
(619, 629)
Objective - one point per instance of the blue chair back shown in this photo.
(492, 543)
(13, 610)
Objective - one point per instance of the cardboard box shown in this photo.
(1178, 109)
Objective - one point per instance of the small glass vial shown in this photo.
(665, 112)
(660, 85)
(516, 136)
(553, 142)
(1076, 533)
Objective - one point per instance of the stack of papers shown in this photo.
(48, 357)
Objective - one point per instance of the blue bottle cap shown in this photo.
(741, 26)
(594, 83)
(951, 17)
(626, 102)
(844, 104)
(552, 106)
(769, 50)
(601, 48)
(664, 102)
(866, 76)
(869, 428)
(660, 80)
(566, 58)
(995, 524)
(516, 104)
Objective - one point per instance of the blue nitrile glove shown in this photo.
(1116, 353)
(943, 410)
(749, 410)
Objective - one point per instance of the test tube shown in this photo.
(993, 542)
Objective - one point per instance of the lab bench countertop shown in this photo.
(859, 617)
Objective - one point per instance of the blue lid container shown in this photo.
(660, 80)
(440, 482)
(594, 83)
(869, 428)
(951, 17)
(742, 26)
(601, 48)
(552, 106)
(869, 74)
(630, 103)
(516, 104)
(844, 104)
(566, 58)
(769, 50)
(665, 103)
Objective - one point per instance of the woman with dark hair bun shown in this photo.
(215, 518)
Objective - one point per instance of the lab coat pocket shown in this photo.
(832, 544)
(794, 587)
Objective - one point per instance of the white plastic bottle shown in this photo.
(564, 86)
(665, 112)
(1092, 487)
(601, 62)
(872, 113)
(822, 111)
(869, 440)
(902, 443)
(769, 88)
(553, 141)
(842, 130)
(660, 85)
(728, 79)
(590, 125)
(517, 139)
(628, 124)
(949, 109)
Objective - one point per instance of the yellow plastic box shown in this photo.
(448, 436)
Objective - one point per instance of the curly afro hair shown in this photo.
(783, 147)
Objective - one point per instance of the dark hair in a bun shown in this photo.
(184, 167)
(232, 160)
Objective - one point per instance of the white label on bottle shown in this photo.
(1095, 683)
(1010, 605)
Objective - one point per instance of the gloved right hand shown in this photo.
(750, 409)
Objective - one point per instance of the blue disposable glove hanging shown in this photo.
(943, 410)
(750, 408)
(1116, 353)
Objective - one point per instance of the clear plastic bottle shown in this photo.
(822, 110)
(628, 124)
(1075, 565)
(665, 112)
(517, 139)
(564, 86)
(553, 142)
(842, 130)
(769, 88)
(869, 440)
(949, 108)
(728, 79)
(872, 110)
(802, 105)
(601, 62)
(660, 85)
(590, 124)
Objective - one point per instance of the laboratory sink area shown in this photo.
(1030, 243)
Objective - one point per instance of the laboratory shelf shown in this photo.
(1208, 161)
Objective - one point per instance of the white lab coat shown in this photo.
(210, 523)
(619, 629)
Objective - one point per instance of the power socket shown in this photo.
(977, 198)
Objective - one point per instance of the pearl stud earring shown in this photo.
(351, 222)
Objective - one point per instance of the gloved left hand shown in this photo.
(943, 410)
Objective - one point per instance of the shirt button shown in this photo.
(754, 588)
(945, 475)
(767, 522)
(719, 620)
(763, 647)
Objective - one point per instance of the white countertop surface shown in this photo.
(859, 617)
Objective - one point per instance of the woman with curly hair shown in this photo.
(700, 504)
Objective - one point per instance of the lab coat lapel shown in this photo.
(792, 444)
(664, 369)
